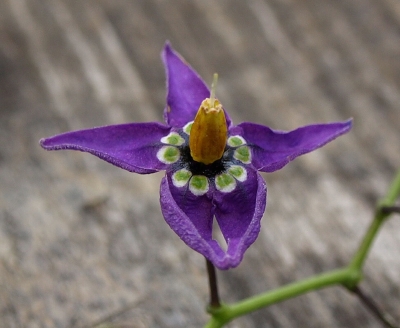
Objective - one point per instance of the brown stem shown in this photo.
(390, 209)
(212, 278)
(385, 318)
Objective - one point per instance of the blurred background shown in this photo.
(83, 242)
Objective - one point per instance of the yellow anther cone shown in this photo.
(208, 133)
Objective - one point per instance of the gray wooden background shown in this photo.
(81, 239)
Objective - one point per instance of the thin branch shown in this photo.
(107, 318)
(385, 318)
(390, 209)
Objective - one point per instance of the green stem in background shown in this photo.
(226, 313)
(349, 276)
(380, 217)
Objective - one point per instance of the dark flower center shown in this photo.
(197, 168)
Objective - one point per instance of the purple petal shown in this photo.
(185, 89)
(191, 218)
(238, 214)
(132, 147)
(271, 150)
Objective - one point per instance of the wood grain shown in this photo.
(80, 239)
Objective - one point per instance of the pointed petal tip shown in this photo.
(57, 142)
(168, 52)
(45, 143)
(349, 122)
(167, 45)
(346, 126)
(166, 49)
(41, 142)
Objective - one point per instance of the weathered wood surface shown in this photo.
(81, 239)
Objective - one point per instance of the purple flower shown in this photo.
(222, 182)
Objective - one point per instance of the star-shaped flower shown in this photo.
(211, 165)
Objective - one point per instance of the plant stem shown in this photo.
(212, 279)
(291, 290)
(363, 250)
(393, 193)
(228, 312)
(380, 215)
(349, 276)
